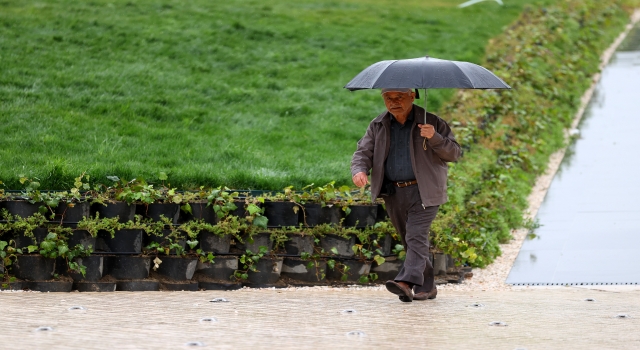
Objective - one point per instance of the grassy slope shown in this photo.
(245, 93)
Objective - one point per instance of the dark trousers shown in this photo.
(413, 221)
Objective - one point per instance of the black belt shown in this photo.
(405, 183)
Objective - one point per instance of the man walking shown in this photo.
(407, 163)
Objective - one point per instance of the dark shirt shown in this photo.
(398, 166)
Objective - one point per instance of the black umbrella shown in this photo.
(425, 73)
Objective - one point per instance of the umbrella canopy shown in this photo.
(426, 73)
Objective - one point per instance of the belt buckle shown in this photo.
(402, 184)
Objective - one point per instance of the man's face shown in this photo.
(398, 103)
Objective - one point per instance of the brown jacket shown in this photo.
(428, 165)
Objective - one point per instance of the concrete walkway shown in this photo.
(557, 318)
(590, 215)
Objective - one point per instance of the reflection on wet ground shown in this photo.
(590, 217)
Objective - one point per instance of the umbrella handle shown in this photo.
(424, 142)
(425, 106)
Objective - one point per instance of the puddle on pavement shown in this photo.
(590, 218)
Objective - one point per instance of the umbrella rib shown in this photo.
(495, 76)
(483, 79)
(364, 73)
(382, 71)
(464, 74)
(375, 82)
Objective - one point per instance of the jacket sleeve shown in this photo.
(362, 160)
(444, 143)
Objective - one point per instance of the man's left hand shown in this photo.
(427, 130)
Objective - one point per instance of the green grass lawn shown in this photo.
(243, 93)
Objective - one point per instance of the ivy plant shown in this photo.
(249, 260)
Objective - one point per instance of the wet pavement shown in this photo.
(590, 217)
(558, 318)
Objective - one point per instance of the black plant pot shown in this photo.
(315, 214)
(281, 213)
(155, 211)
(148, 238)
(361, 216)
(219, 285)
(240, 210)
(298, 269)
(62, 269)
(269, 270)
(11, 285)
(298, 244)
(72, 212)
(124, 241)
(95, 286)
(127, 267)
(258, 240)
(83, 238)
(210, 242)
(389, 269)
(34, 267)
(439, 264)
(122, 210)
(222, 269)
(342, 245)
(382, 213)
(101, 246)
(202, 211)
(177, 268)
(23, 241)
(95, 267)
(49, 286)
(356, 269)
(451, 265)
(23, 209)
(138, 286)
(384, 244)
(187, 286)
